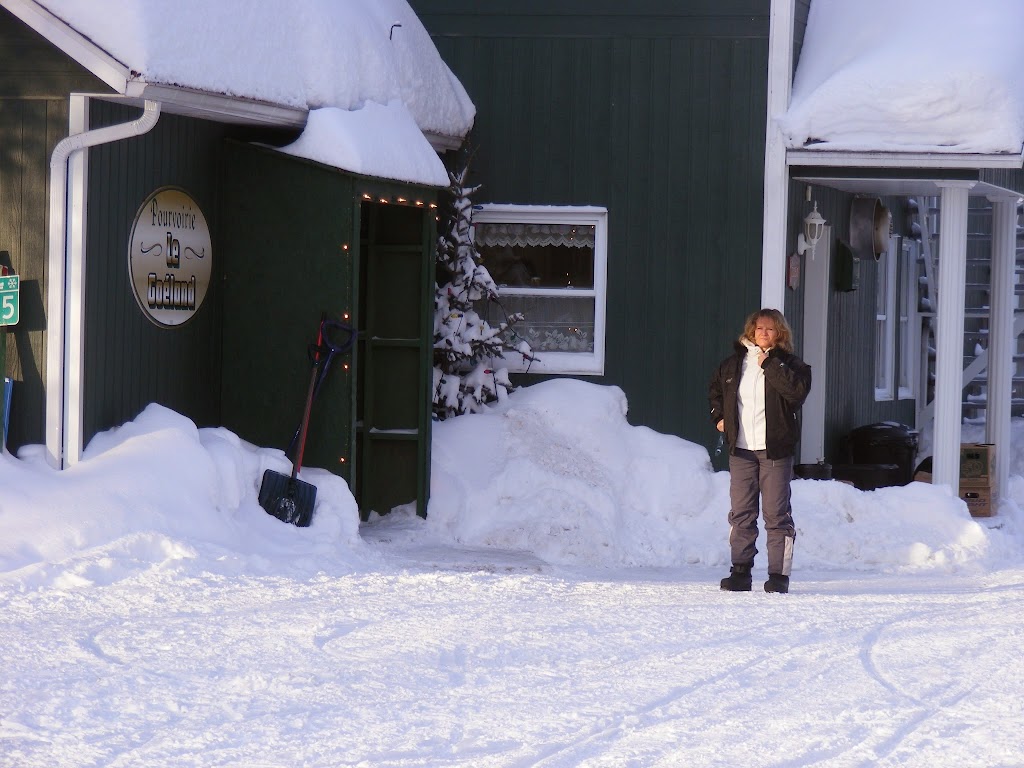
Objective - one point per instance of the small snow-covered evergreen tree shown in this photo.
(464, 343)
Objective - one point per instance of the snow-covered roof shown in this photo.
(910, 76)
(387, 98)
(302, 55)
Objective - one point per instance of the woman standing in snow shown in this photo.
(755, 395)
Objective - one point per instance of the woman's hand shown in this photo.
(721, 425)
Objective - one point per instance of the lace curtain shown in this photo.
(521, 235)
(551, 324)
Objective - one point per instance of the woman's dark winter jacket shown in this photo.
(787, 382)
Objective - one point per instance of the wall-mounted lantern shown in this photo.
(814, 228)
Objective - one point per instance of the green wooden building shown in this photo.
(169, 251)
(657, 113)
(636, 203)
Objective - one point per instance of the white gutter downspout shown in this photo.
(776, 172)
(65, 289)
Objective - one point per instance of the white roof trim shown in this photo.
(845, 159)
(209, 105)
(81, 49)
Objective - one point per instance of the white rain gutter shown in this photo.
(881, 159)
(64, 294)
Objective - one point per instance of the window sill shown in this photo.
(571, 363)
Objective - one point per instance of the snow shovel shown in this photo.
(285, 496)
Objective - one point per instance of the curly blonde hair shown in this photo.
(785, 337)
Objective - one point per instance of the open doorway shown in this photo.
(395, 318)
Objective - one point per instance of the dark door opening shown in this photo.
(394, 357)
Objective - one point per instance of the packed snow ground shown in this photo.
(559, 607)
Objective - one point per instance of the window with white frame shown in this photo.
(885, 325)
(910, 327)
(550, 264)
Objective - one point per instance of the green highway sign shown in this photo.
(9, 289)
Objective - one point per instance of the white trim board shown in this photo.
(815, 347)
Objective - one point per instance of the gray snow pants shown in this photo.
(751, 474)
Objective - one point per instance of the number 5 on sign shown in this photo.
(9, 289)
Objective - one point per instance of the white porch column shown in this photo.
(1001, 339)
(949, 353)
(776, 173)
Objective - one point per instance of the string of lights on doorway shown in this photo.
(397, 200)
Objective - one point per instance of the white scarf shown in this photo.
(751, 402)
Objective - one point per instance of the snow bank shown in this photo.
(155, 492)
(558, 471)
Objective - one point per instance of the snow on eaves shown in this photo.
(910, 75)
(363, 141)
(307, 54)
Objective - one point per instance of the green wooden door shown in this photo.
(288, 235)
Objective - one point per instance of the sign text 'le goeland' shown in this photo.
(170, 257)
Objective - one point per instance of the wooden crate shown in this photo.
(978, 499)
(977, 463)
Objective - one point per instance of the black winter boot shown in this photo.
(777, 583)
(738, 580)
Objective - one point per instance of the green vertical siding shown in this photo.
(595, 18)
(129, 361)
(28, 132)
(655, 111)
(31, 68)
(35, 80)
(287, 223)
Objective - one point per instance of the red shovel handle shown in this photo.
(309, 402)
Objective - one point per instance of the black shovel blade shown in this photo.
(287, 499)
